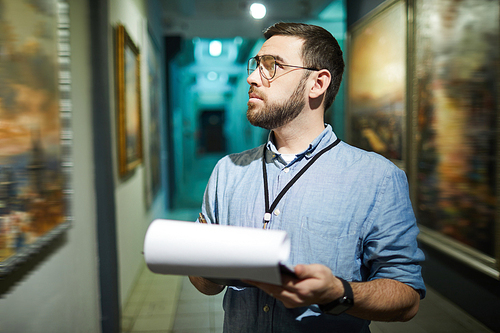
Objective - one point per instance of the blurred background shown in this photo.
(114, 112)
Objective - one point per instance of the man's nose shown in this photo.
(255, 78)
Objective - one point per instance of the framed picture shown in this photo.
(152, 154)
(35, 122)
(456, 133)
(376, 82)
(129, 102)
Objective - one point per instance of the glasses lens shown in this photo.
(267, 66)
(252, 65)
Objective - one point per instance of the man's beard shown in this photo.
(278, 114)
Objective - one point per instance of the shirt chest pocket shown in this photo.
(328, 242)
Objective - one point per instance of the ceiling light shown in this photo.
(215, 48)
(257, 10)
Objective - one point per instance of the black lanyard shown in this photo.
(267, 215)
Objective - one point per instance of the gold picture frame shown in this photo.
(129, 102)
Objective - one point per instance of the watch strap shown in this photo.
(341, 304)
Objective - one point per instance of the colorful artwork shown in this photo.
(32, 177)
(377, 82)
(129, 102)
(457, 54)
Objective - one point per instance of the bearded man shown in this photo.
(346, 211)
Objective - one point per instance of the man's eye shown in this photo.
(268, 66)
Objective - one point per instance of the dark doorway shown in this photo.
(212, 138)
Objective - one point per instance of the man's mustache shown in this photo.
(253, 93)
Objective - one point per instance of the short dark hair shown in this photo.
(320, 50)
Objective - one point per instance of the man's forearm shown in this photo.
(205, 286)
(379, 300)
(384, 300)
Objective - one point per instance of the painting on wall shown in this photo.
(35, 129)
(153, 172)
(376, 82)
(457, 74)
(129, 102)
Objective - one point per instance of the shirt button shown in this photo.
(277, 212)
(286, 170)
(266, 308)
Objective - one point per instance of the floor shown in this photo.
(170, 304)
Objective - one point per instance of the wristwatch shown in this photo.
(341, 304)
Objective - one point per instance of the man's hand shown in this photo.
(205, 286)
(315, 284)
(380, 299)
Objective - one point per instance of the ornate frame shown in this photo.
(128, 77)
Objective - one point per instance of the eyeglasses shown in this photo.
(267, 66)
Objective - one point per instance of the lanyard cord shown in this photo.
(267, 215)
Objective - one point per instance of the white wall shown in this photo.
(133, 215)
(61, 294)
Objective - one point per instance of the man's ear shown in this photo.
(321, 83)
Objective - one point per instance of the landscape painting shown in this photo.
(32, 182)
(377, 82)
(457, 70)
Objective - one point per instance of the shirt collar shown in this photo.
(324, 139)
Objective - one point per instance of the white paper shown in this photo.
(215, 251)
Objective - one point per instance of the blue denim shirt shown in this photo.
(349, 211)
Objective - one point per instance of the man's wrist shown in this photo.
(342, 304)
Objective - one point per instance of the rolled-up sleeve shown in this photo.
(390, 249)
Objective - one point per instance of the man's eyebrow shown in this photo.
(279, 58)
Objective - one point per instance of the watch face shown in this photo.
(339, 306)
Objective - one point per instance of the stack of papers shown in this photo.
(220, 253)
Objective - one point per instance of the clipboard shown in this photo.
(284, 270)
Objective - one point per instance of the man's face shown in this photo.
(274, 103)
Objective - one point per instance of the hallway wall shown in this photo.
(132, 212)
(60, 292)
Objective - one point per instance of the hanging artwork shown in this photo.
(376, 80)
(129, 102)
(35, 129)
(152, 156)
(457, 71)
